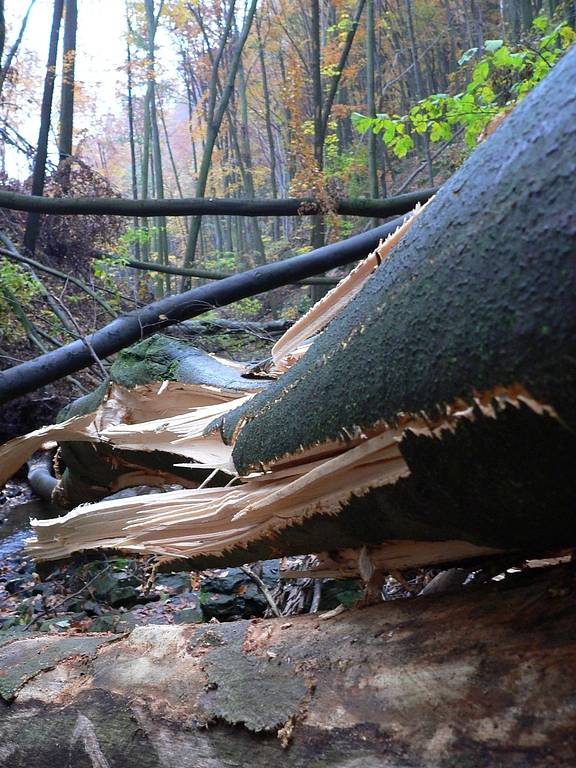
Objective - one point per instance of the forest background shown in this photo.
(322, 99)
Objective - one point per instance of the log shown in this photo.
(190, 206)
(481, 678)
(461, 340)
(137, 325)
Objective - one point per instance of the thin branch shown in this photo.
(264, 589)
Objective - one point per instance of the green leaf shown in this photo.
(503, 57)
(403, 145)
(481, 72)
(390, 132)
(361, 122)
(540, 23)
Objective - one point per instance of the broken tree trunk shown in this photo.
(480, 678)
(432, 421)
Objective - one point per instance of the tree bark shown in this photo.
(479, 678)
(2, 31)
(269, 129)
(131, 133)
(418, 82)
(68, 70)
(371, 100)
(162, 236)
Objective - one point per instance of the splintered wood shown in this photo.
(321, 479)
(294, 343)
(204, 521)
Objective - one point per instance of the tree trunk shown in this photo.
(131, 133)
(215, 118)
(269, 130)
(479, 678)
(33, 221)
(151, 25)
(418, 83)
(2, 31)
(504, 309)
(371, 101)
(68, 69)
(115, 206)
(257, 242)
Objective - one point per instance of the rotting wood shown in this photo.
(479, 678)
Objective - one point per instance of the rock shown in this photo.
(173, 583)
(105, 623)
(124, 596)
(231, 593)
(189, 616)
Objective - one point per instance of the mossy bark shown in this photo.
(478, 297)
(480, 293)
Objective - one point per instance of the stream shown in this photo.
(107, 593)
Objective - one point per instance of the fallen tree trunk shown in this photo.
(211, 274)
(431, 422)
(480, 678)
(190, 206)
(139, 324)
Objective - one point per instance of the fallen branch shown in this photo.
(210, 274)
(263, 588)
(190, 206)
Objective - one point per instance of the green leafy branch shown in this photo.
(502, 75)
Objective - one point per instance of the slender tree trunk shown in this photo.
(144, 173)
(371, 102)
(418, 81)
(216, 116)
(172, 161)
(134, 173)
(247, 164)
(318, 228)
(68, 70)
(33, 222)
(269, 131)
(2, 30)
(151, 23)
